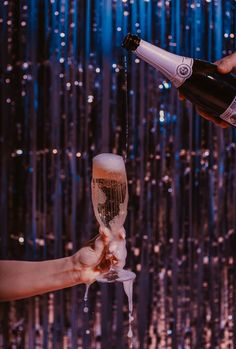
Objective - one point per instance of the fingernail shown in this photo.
(223, 67)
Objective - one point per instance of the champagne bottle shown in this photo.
(198, 80)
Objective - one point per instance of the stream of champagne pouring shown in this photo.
(126, 136)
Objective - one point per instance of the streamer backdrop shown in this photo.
(63, 100)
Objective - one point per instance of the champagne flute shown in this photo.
(110, 200)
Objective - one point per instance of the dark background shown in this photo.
(64, 98)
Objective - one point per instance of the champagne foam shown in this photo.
(109, 166)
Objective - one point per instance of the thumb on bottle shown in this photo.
(224, 65)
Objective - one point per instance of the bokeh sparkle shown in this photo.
(64, 98)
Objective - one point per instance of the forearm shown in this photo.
(20, 279)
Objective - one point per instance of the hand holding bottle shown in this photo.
(211, 89)
(225, 65)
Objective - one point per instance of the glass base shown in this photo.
(114, 275)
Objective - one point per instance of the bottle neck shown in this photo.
(176, 68)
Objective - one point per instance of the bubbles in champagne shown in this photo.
(109, 202)
(109, 191)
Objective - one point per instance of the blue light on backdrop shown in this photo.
(63, 100)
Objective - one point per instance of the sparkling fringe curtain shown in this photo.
(63, 100)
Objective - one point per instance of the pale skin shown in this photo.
(21, 279)
(224, 66)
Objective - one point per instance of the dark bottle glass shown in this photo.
(198, 80)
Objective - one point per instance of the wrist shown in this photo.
(75, 270)
(66, 273)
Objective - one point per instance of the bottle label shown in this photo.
(230, 114)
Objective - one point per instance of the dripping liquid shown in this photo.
(128, 285)
(128, 288)
(86, 309)
(86, 315)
